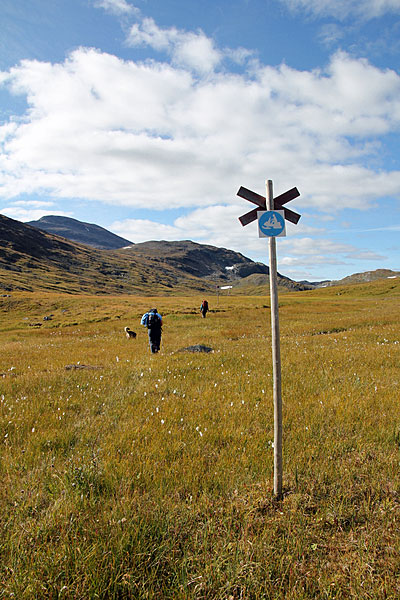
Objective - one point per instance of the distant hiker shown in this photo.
(204, 308)
(153, 321)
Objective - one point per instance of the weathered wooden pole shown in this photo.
(276, 353)
(277, 204)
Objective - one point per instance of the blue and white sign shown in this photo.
(271, 223)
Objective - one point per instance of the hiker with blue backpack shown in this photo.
(153, 321)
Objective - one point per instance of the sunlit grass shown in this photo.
(146, 476)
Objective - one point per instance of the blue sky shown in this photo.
(146, 116)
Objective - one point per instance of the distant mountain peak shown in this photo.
(80, 232)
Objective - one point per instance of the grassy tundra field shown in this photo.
(139, 476)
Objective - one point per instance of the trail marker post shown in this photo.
(271, 225)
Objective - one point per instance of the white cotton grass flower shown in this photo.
(199, 431)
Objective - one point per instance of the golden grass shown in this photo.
(151, 476)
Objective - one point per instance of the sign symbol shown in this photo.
(271, 223)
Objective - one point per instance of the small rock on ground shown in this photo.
(70, 367)
(196, 348)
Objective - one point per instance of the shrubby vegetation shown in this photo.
(139, 476)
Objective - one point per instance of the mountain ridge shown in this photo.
(80, 232)
(32, 259)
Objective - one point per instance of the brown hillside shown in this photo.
(32, 260)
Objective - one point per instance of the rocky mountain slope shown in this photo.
(200, 260)
(211, 263)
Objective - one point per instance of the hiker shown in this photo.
(153, 321)
(204, 308)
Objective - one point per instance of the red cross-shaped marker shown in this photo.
(279, 201)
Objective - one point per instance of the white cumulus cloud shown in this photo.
(118, 7)
(160, 135)
(188, 49)
(151, 134)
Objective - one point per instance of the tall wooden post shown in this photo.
(272, 203)
(276, 353)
